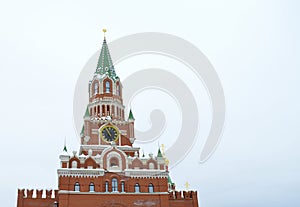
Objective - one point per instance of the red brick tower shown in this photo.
(108, 171)
(104, 121)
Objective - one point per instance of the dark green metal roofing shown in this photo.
(130, 117)
(159, 154)
(105, 64)
(65, 148)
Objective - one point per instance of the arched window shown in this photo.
(103, 110)
(77, 187)
(118, 90)
(151, 165)
(96, 86)
(92, 187)
(113, 110)
(74, 164)
(108, 110)
(106, 186)
(107, 86)
(150, 188)
(114, 185)
(122, 186)
(137, 188)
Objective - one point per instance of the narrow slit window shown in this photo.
(122, 186)
(106, 186)
(107, 86)
(114, 185)
(118, 90)
(96, 86)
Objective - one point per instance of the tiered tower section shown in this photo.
(106, 108)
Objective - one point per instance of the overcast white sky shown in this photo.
(253, 45)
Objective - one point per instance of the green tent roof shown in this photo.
(159, 154)
(105, 64)
(65, 148)
(130, 117)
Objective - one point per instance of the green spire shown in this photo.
(65, 147)
(131, 117)
(105, 63)
(87, 113)
(159, 154)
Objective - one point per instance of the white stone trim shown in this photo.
(145, 173)
(80, 172)
(116, 193)
(116, 155)
(128, 148)
(123, 132)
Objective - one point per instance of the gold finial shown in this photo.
(163, 150)
(167, 162)
(187, 185)
(104, 31)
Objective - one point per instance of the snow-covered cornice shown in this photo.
(145, 173)
(80, 172)
(102, 147)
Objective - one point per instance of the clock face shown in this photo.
(109, 133)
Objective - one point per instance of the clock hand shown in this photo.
(107, 131)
